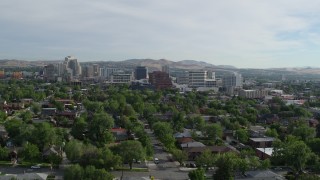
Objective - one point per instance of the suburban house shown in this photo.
(120, 134)
(194, 152)
(192, 144)
(261, 142)
(257, 131)
(264, 153)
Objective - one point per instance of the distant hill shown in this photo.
(184, 64)
(23, 63)
(300, 70)
(151, 63)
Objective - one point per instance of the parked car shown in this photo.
(156, 160)
(38, 166)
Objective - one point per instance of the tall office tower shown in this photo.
(211, 75)
(71, 65)
(87, 71)
(166, 69)
(141, 72)
(197, 78)
(182, 77)
(96, 70)
(49, 73)
(232, 80)
(160, 80)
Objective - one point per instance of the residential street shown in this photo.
(164, 170)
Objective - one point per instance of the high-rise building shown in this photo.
(49, 73)
(160, 80)
(197, 78)
(141, 72)
(233, 80)
(87, 71)
(166, 69)
(71, 65)
(182, 77)
(96, 70)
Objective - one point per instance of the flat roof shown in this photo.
(262, 139)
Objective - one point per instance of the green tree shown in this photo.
(99, 126)
(30, 152)
(46, 132)
(296, 154)
(242, 135)
(272, 133)
(3, 116)
(196, 122)
(4, 153)
(178, 121)
(304, 132)
(314, 145)
(54, 159)
(179, 155)
(79, 127)
(213, 131)
(227, 164)
(74, 150)
(74, 172)
(26, 116)
(35, 108)
(206, 159)
(197, 174)
(130, 150)
(110, 160)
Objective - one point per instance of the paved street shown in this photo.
(21, 170)
(164, 170)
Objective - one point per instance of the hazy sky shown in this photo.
(243, 33)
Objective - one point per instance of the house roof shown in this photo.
(118, 130)
(184, 140)
(265, 139)
(267, 151)
(263, 174)
(215, 149)
(185, 133)
(192, 144)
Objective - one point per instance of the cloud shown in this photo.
(243, 33)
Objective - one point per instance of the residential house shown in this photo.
(192, 144)
(268, 118)
(257, 131)
(194, 152)
(261, 175)
(261, 142)
(264, 153)
(45, 112)
(120, 134)
(51, 150)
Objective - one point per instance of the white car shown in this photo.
(156, 160)
(36, 166)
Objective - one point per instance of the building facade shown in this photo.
(141, 72)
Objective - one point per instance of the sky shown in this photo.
(242, 33)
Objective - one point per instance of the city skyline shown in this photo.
(243, 34)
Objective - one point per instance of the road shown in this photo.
(22, 170)
(165, 169)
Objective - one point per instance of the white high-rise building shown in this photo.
(197, 78)
(72, 65)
